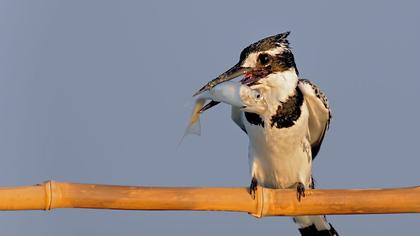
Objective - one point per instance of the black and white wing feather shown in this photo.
(319, 113)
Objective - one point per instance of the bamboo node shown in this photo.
(48, 194)
(259, 198)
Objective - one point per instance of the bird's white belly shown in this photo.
(280, 158)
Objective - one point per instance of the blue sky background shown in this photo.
(100, 92)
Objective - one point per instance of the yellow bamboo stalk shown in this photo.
(267, 202)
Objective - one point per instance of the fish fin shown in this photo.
(194, 126)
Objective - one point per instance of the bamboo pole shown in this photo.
(267, 202)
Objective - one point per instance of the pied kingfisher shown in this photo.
(285, 118)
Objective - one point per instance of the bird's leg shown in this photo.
(300, 191)
(253, 187)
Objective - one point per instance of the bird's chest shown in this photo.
(274, 135)
(279, 148)
(281, 127)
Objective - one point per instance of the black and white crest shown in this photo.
(268, 55)
(279, 40)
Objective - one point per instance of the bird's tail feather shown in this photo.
(314, 226)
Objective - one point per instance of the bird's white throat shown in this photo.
(278, 87)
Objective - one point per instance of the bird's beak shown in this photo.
(235, 71)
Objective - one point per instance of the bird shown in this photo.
(286, 122)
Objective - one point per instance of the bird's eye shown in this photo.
(264, 59)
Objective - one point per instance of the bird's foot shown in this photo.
(253, 187)
(300, 191)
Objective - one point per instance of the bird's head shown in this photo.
(258, 60)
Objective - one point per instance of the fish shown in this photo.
(230, 92)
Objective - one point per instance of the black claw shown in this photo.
(300, 191)
(253, 187)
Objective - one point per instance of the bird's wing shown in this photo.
(319, 113)
(236, 116)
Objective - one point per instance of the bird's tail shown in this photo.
(314, 226)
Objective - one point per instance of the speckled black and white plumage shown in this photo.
(298, 115)
(287, 125)
(320, 113)
(292, 105)
(318, 93)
